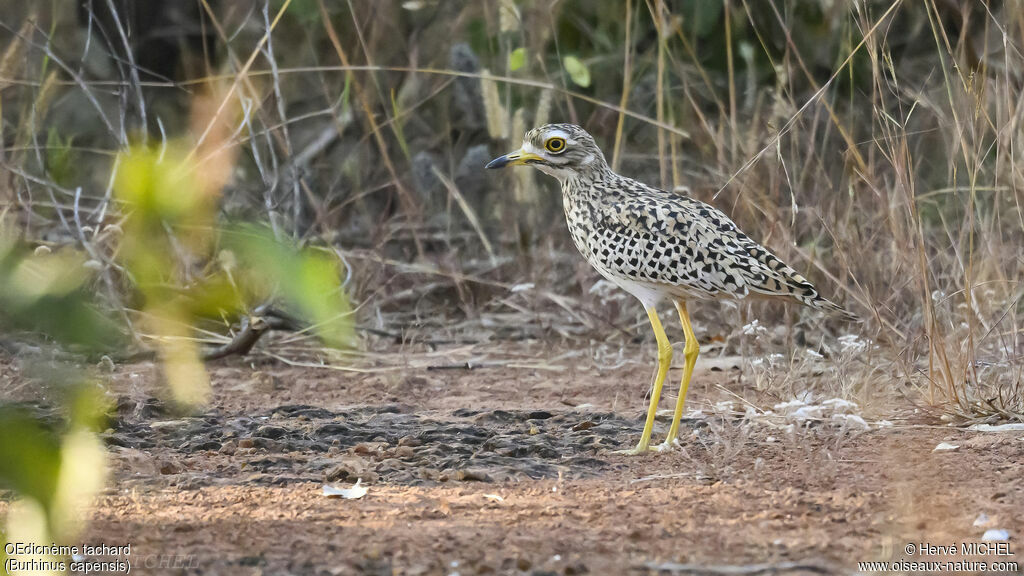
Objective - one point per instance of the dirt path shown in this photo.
(512, 471)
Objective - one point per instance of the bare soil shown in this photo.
(511, 468)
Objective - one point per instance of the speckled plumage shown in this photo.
(671, 245)
(656, 245)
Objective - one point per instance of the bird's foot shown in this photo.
(667, 446)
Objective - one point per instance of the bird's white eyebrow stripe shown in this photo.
(561, 134)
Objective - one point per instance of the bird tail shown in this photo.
(789, 283)
(803, 291)
(814, 300)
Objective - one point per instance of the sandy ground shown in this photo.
(510, 469)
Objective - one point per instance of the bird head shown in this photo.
(564, 151)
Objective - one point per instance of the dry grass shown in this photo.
(877, 146)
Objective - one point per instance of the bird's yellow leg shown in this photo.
(690, 351)
(664, 360)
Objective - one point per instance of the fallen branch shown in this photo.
(263, 319)
(252, 327)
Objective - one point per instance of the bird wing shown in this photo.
(660, 243)
(691, 244)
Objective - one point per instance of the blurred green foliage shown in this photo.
(55, 466)
(517, 59)
(309, 280)
(49, 293)
(29, 456)
(172, 208)
(61, 157)
(577, 71)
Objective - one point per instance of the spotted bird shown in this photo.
(657, 245)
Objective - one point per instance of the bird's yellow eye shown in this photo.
(555, 145)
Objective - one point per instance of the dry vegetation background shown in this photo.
(876, 146)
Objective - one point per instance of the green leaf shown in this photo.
(29, 456)
(160, 184)
(47, 293)
(60, 158)
(517, 59)
(396, 126)
(577, 70)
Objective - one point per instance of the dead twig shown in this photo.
(252, 327)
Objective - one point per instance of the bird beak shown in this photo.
(513, 159)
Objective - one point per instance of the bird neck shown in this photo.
(589, 182)
(589, 187)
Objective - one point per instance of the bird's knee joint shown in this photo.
(665, 351)
(691, 349)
